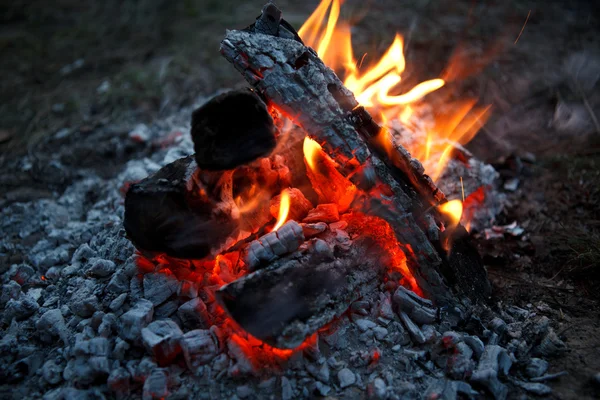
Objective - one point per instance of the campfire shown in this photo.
(300, 199)
(308, 237)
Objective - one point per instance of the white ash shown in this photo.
(79, 320)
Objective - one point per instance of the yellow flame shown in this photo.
(375, 86)
(284, 209)
(428, 146)
(453, 210)
(405, 115)
(311, 151)
(415, 94)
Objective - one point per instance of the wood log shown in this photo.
(173, 212)
(232, 129)
(296, 295)
(292, 79)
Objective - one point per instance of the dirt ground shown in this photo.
(82, 65)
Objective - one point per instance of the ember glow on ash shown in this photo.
(284, 209)
(376, 88)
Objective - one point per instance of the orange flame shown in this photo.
(284, 209)
(326, 180)
(375, 87)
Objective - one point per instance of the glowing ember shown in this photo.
(284, 209)
(376, 88)
(453, 210)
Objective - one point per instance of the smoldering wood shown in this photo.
(418, 309)
(273, 245)
(166, 212)
(232, 129)
(292, 78)
(294, 296)
(299, 205)
(323, 213)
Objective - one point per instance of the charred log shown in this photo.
(294, 296)
(232, 129)
(168, 213)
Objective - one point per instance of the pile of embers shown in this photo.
(268, 264)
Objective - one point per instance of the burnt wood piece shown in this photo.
(294, 296)
(232, 129)
(292, 78)
(167, 213)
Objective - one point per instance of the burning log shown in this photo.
(274, 244)
(290, 299)
(188, 209)
(173, 212)
(292, 79)
(299, 205)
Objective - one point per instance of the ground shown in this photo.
(85, 65)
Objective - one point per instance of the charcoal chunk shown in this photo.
(52, 372)
(166, 213)
(20, 309)
(420, 310)
(162, 339)
(156, 386)
(134, 320)
(199, 348)
(159, 286)
(119, 382)
(346, 378)
(100, 268)
(83, 301)
(193, 314)
(232, 129)
(52, 324)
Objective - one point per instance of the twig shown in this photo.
(523, 28)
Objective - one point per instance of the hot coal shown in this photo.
(232, 129)
(274, 244)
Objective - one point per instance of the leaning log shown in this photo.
(293, 80)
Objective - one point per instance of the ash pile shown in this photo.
(85, 315)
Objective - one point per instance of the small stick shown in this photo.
(523, 28)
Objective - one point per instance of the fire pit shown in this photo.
(373, 208)
(314, 244)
